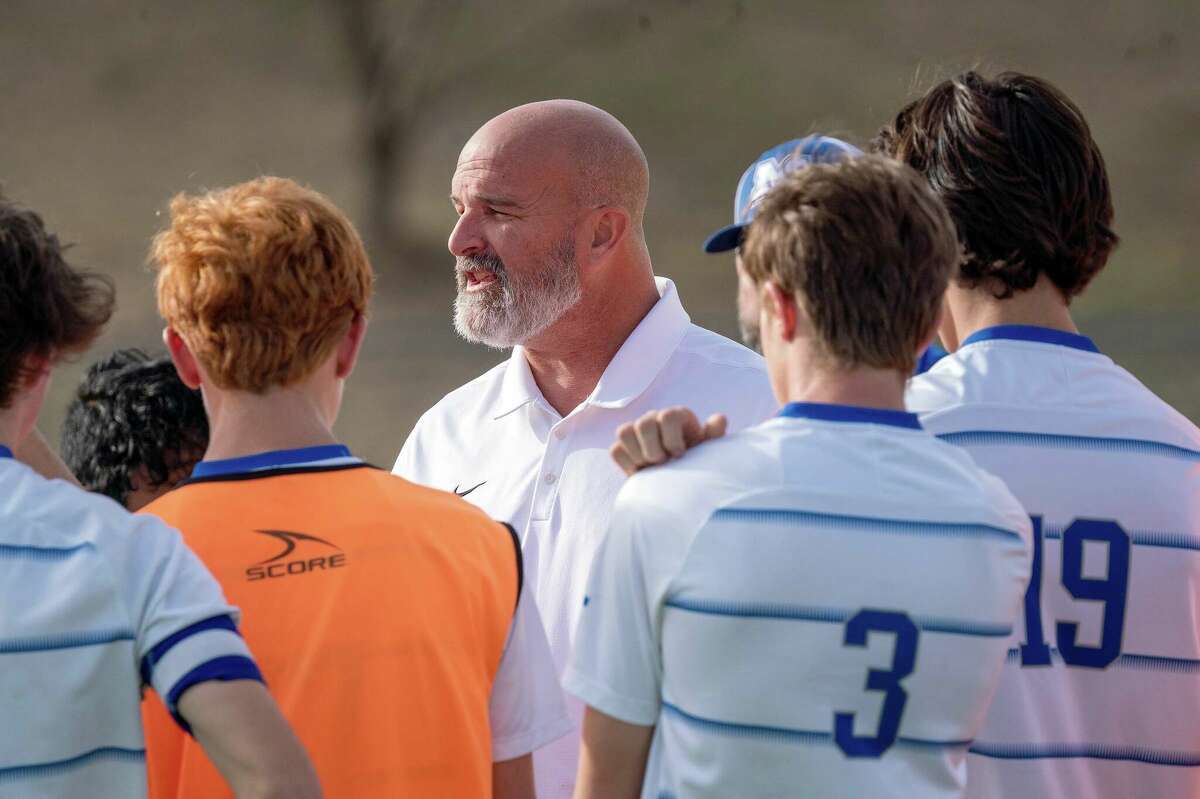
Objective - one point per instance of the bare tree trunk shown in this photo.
(382, 126)
(384, 144)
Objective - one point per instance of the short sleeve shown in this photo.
(616, 666)
(527, 709)
(186, 633)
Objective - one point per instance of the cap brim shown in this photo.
(726, 239)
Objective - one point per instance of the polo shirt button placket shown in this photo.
(552, 464)
(543, 496)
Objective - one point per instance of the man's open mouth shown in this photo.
(478, 279)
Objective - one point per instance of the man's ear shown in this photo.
(350, 346)
(609, 226)
(781, 306)
(182, 357)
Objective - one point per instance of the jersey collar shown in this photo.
(629, 373)
(275, 459)
(1040, 335)
(5, 452)
(829, 412)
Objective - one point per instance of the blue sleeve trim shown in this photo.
(224, 669)
(224, 622)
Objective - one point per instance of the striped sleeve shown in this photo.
(185, 631)
(211, 649)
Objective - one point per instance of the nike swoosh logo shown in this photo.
(469, 490)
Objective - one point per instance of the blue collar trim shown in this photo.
(270, 460)
(1041, 335)
(828, 412)
(5, 452)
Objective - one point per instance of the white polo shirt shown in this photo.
(499, 443)
(94, 603)
(1100, 696)
(818, 606)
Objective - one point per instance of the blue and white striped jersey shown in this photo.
(1100, 696)
(95, 602)
(818, 606)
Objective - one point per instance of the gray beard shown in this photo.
(502, 315)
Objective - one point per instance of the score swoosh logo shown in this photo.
(469, 490)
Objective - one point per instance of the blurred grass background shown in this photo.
(108, 108)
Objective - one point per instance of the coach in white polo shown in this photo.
(552, 261)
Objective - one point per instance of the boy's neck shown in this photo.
(863, 387)
(8, 436)
(10, 425)
(972, 310)
(242, 423)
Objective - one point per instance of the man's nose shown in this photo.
(466, 238)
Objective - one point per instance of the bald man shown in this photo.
(551, 260)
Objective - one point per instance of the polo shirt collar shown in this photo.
(5, 452)
(645, 352)
(829, 412)
(1040, 335)
(274, 459)
(518, 388)
(631, 371)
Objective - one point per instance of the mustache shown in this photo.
(480, 263)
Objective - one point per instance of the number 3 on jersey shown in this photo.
(904, 657)
(1111, 589)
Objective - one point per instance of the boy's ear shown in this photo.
(350, 346)
(182, 357)
(35, 369)
(782, 306)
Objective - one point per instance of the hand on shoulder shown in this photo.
(659, 436)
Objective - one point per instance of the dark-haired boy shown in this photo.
(133, 430)
(94, 602)
(1101, 691)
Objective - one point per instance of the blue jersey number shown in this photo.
(1112, 590)
(894, 696)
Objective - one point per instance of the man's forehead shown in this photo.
(511, 168)
(482, 172)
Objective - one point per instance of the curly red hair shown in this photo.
(260, 279)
